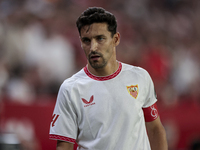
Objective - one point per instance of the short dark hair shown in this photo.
(97, 15)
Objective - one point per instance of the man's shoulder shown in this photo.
(134, 69)
(76, 78)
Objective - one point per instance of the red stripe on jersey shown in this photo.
(105, 77)
(150, 113)
(62, 138)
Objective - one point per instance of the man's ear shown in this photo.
(116, 39)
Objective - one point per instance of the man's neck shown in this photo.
(106, 71)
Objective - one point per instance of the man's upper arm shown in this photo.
(62, 145)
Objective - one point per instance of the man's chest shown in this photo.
(111, 99)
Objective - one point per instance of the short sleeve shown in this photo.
(150, 97)
(64, 121)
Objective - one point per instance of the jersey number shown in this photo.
(54, 119)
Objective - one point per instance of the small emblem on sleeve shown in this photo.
(133, 90)
(154, 112)
(151, 113)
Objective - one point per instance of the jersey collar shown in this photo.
(99, 78)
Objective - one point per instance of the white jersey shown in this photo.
(104, 113)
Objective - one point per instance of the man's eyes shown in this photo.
(85, 40)
(100, 38)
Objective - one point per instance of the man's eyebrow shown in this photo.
(100, 35)
(83, 38)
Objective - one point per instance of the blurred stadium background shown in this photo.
(39, 48)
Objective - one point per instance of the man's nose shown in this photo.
(94, 45)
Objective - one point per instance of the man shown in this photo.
(108, 105)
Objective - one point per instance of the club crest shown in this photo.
(133, 90)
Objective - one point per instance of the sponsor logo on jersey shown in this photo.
(133, 90)
(88, 103)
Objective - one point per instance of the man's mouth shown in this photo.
(94, 57)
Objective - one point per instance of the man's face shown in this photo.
(97, 44)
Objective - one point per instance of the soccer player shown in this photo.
(108, 105)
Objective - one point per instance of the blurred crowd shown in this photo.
(40, 46)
